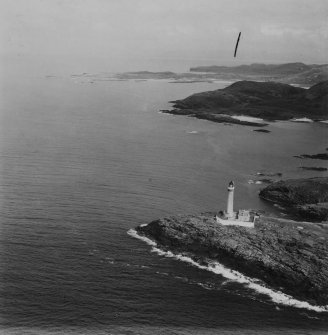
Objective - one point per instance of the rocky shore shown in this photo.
(269, 101)
(285, 255)
(306, 198)
(322, 156)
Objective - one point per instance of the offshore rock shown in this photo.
(286, 255)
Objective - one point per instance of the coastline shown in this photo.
(277, 297)
(285, 256)
(218, 118)
(245, 101)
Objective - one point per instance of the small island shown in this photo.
(262, 130)
(322, 156)
(286, 255)
(264, 101)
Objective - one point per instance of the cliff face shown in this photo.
(279, 253)
(266, 100)
(306, 197)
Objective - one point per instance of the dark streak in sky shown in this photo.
(237, 44)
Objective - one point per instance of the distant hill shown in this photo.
(265, 100)
(147, 75)
(294, 73)
(290, 73)
(258, 68)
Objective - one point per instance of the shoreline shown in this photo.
(255, 284)
(292, 257)
(245, 101)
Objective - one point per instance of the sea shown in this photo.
(83, 161)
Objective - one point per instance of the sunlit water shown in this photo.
(82, 163)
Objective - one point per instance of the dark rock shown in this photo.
(313, 168)
(262, 130)
(323, 156)
(270, 174)
(275, 251)
(266, 100)
(266, 180)
(299, 194)
(313, 212)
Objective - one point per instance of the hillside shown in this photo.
(266, 100)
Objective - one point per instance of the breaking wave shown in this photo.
(217, 268)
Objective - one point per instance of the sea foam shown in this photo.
(217, 268)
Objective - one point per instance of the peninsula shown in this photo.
(263, 100)
(286, 255)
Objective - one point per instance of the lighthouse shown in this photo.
(243, 217)
(230, 213)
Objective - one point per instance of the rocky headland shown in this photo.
(305, 198)
(285, 255)
(263, 100)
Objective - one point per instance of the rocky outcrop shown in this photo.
(285, 255)
(262, 130)
(265, 100)
(313, 168)
(307, 198)
(323, 156)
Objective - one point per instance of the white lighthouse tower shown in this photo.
(243, 217)
(230, 213)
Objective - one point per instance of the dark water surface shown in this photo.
(82, 163)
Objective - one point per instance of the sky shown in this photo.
(116, 35)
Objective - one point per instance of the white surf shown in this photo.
(217, 268)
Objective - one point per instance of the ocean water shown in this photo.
(82, 163)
